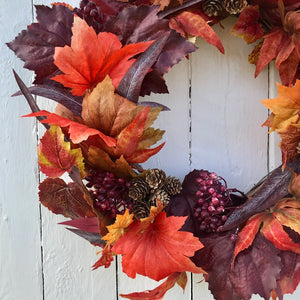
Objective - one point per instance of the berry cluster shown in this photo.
(110, 194)
(91, 14)
(212, 199)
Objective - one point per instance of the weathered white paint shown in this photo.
(42, 260)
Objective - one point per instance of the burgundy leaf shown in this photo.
(255, 271)
(85, 224)
(65, 199)
(35, 46)
(154, 83)
(142, 24)
(130, 85)
(60, 95)
(30, 100)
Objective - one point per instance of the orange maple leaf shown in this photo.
(158, 250)
(159, 292)
(105, 259)
(91, 57)
(285, 107)
(270, 224)
(56, 156)
(116, 230)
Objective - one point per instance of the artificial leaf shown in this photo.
(107, 111)
(158, 250)
(56, 156)
(116, 230)
(194, 24)
(247, 235)
(65, 199)
(255, 271)
(143, 24)
(290, 139)
(91, 57)
(159, 292)
(85, 224)
(247, 26)
(272, 3)
(35, 46)
(58, 94)
(128, 140)
(100, 159)
(131, 84)
(77, 132)
(285, 107)
(105, 259)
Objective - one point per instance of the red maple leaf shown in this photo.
(158, 249)
(91, 57)
(193, 23)
(248, 26)
(282, 44)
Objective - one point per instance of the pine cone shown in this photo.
(234, 7)
(172, 185)
(155, 178)
(139, 189)
(141, 210)
(160, 194)
(212, 7)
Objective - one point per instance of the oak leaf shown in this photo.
(116, 230)
(65, 199)
(158, 250)
(91, 57)
(56, 156)
(159, 292)
(248, 26)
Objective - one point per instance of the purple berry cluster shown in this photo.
(91, 14)
(110, 194)
(212, 200)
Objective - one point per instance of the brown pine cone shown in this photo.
(155, 178)
(139, 189)
(212, 8)
(160, 194)
(141, 210)
(172, 185)
(234, 7)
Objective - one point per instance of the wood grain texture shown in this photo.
(20, 266)
(217, 127)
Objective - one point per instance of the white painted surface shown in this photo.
(226, 137)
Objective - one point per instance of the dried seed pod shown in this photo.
(160, 194)
(234, 7)
(155, 178)
(139, 189)
(212, 8)
(172, 185)
(141, 209)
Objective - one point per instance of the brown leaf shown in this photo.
(65, 199)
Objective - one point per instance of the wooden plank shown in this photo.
(20, 264)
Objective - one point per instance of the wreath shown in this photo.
(96, 61)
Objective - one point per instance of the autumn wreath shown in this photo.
(96, 61)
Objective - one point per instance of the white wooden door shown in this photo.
(214, 123)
